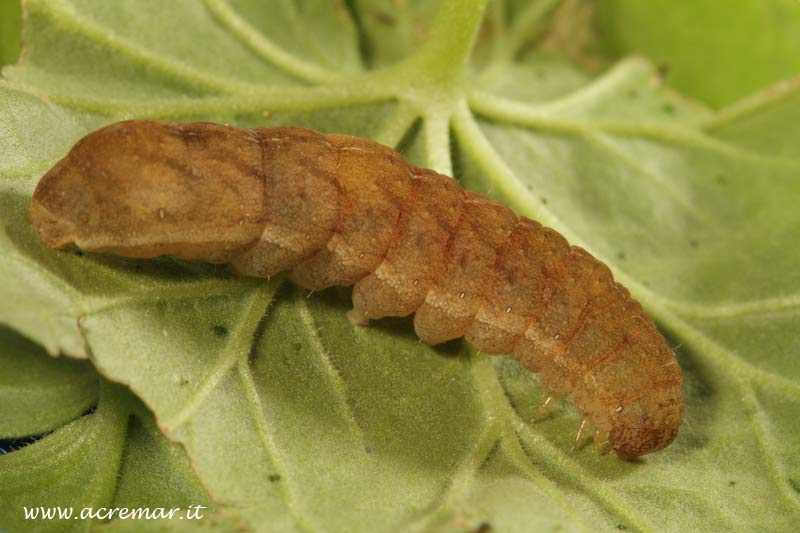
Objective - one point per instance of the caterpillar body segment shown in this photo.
(466, 271)
(340, 210)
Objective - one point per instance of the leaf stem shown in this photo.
(396, 125)
(444, 55)
(437, 143)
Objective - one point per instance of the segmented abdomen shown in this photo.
(340, 210)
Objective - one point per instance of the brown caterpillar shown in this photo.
(340, 210)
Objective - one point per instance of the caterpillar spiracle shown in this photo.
(341, 210)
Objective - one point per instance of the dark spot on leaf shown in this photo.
(731, 483)
(220, 330)
(274, 478)
(720, 179)
(621, 255)
(693, 243)
(383, 17)
(663, 70)
(483, 527)
(297, 347)
(622, 527)
(544, 200)
(668, 108)
(794, 484)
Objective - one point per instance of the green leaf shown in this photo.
(715, 50)
(40, 394)
(295, 419)
(114, 457)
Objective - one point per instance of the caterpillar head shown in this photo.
(96, 195)
(57, 212)
(647, 423)
(143, 189)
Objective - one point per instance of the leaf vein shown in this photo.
(611, 149)
(254, 402)
(64, 14)
(267, 49)
(235, 351)
(337, 382)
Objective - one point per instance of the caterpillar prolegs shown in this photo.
(340, 210)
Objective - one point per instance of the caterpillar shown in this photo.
(342, 210)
